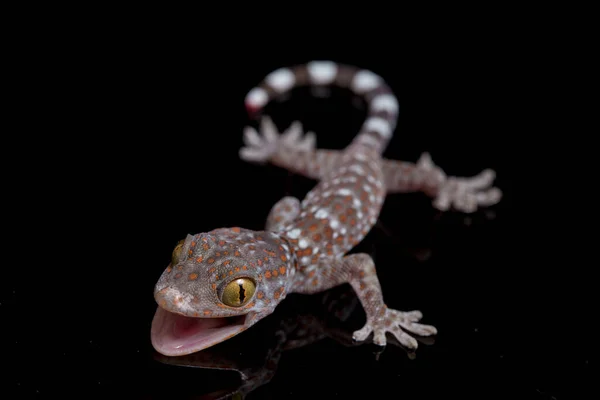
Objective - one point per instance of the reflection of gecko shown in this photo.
(295, 327)
(221, 282)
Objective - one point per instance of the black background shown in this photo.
(146, 130)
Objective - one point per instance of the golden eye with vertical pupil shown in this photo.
(238, 292)
(175, 256)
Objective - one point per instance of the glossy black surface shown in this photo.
(159, 160)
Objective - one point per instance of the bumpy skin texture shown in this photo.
(304, 246)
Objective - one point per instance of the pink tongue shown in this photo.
(186, 326)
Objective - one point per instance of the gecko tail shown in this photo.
(382, 105)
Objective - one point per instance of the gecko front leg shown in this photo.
(359, 271)
(282, 213)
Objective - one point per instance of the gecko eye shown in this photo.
(177, 253)
(238, 292)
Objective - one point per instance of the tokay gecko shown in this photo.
(220, 283)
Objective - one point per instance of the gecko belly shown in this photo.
(175, 335)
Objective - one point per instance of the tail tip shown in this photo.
(256, 100)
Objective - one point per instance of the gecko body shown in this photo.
(219, 283)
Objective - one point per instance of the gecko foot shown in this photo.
(394, 322)
(260, 147)
(463, 194)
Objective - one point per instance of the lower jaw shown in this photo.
(176, 335)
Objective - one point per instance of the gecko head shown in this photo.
(217, 285)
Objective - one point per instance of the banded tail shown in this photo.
(382, 115)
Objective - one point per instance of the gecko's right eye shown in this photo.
(176, 255)
(238, 292)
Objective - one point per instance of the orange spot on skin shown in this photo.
(207, 312)
(236, 230)
(249, 305)
(361, 274)
(218, 254)
(213, 269)
(311, 274)
(260, 295)
(266, 258)
(283, 257)
(193, 276)
(313, 227)
(259, 261)
(214, 285)
(199, 259)
(362, 286)
(259, 238)
(251, 247)
(282, 270)
(237, 253)
(196, 314)
(221, 242)
(237, 269)
(275, 273)
(169, 269)
(338, 207)
(268, 274)
(317, 237)
(244, 268)
(225, 253)
(178, 275)
(193, 243)
(211, 260)
(343, 218)
(230, 272)
(226, 262)
(315, 282)
(205, 246)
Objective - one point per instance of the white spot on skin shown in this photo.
(281, 79)
(257, 97)
(369, 140)
(367, 188)
(360, 156)
(379, 125)
(364, 81)
(334, 223)
(385, 102)
(344, 192)
(343, 231)
(294, 233)
(357, 169)
(322, 213)
(303, 243)
(356, 202)
(322, 72)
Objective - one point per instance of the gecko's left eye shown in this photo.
(176, 255)
(238, 292)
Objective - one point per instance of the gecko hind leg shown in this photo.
(380, 319)
(282, 213)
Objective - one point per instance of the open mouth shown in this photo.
(175, 335)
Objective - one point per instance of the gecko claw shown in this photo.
(396, 323)
(262, 145)
(463, 194)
